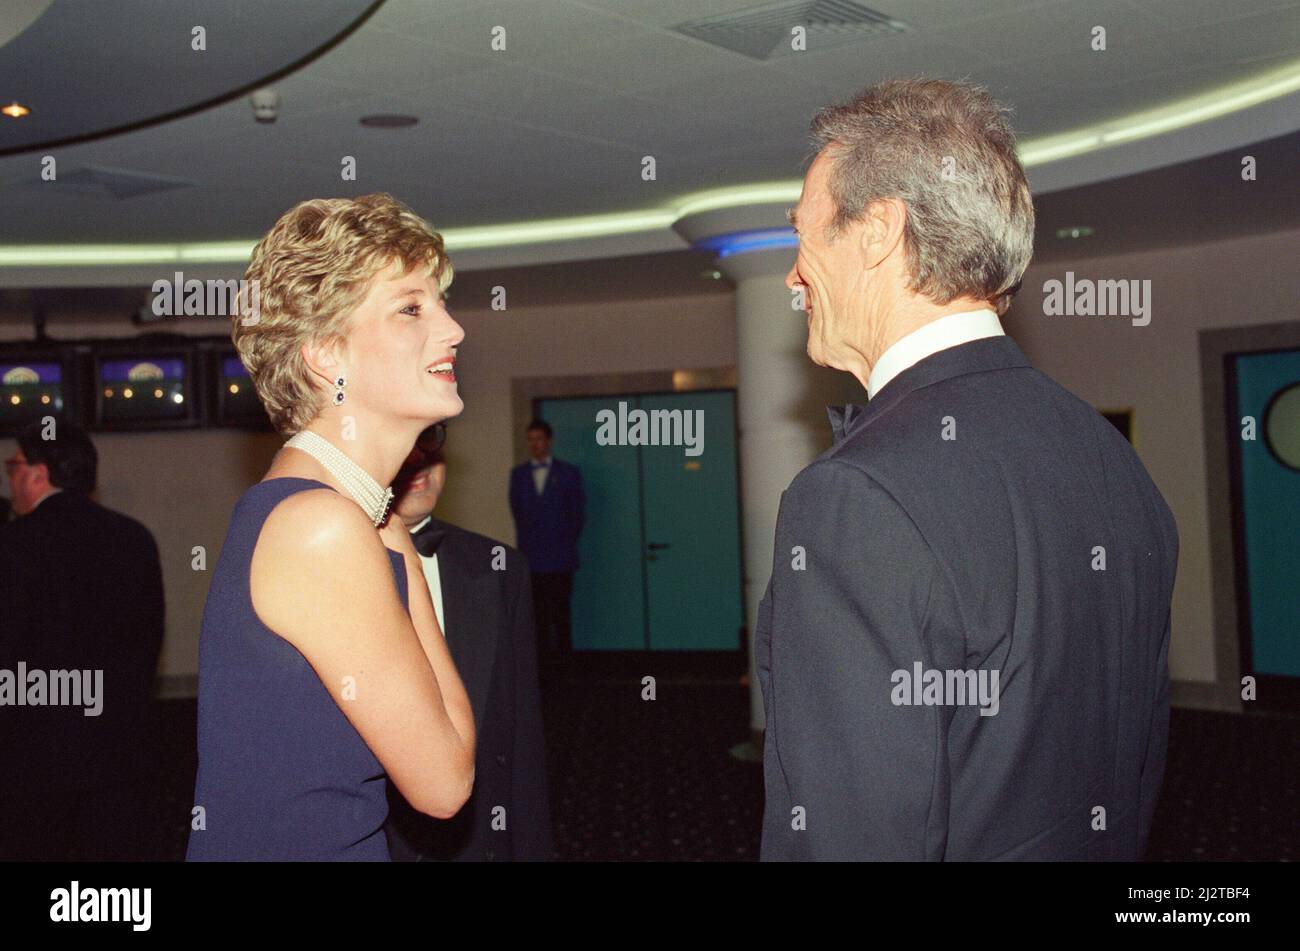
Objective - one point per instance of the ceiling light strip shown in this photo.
(1185, 112)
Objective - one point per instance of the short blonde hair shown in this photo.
(312, 270)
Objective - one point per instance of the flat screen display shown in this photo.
(29, 390)
(137, 389)
(236, 396)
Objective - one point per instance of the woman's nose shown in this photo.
(458, 332)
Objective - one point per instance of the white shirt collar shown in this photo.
(432, 577)
(949, 331)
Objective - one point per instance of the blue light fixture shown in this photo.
(743, 242)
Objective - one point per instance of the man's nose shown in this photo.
(792, 276)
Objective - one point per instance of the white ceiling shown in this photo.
(557, 124)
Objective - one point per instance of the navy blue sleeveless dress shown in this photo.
(283, 774)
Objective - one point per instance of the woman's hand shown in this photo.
(320, 581)
(397, 536)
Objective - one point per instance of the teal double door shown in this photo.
(1266, 489)
(660, 547)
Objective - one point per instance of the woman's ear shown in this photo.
(322, 359)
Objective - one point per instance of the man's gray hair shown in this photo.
(946, 150)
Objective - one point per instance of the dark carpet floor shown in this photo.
(635, 780)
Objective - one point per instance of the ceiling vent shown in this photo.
(764, 32)
(105, 182)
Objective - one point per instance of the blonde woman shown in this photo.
(322, 671)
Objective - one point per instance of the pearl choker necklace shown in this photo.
(364, 490)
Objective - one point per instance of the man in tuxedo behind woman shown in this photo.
(481, 595)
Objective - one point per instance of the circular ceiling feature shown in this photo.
(178, 57)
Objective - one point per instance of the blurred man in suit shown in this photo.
(81, 589)
(963, 646)
(480, 591)
(547, 500)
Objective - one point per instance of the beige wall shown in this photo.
(1156, 371)
(183, 485)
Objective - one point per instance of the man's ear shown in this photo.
(41, 475)
(883, 225)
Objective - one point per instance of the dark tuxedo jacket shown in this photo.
(548, 525)
(983, 552)
(489, 630)
(80, 589)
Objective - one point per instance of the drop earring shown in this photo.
(338, 390)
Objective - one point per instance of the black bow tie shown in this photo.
(844, 420)
(428, 538)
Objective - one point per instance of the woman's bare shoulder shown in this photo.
(315, 547)
(315, 518)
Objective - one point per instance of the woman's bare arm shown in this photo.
(396, 536)
(321, 579)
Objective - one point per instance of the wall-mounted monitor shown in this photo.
(234, 401)
(33, 384)
(145, 389)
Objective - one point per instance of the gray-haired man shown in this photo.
(963, 647)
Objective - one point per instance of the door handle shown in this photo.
(652, 547)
